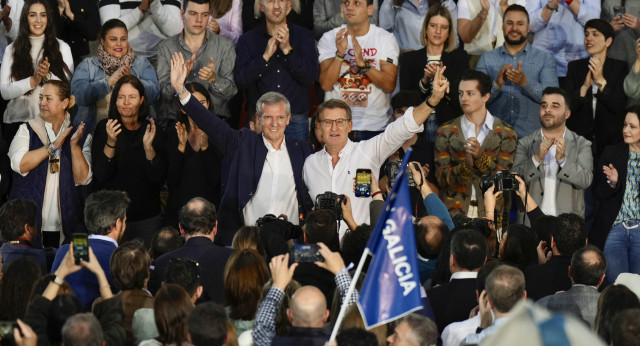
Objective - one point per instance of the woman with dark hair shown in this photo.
(128, 155)
(244, 276)
(613, 299)
(34, 57)
(518, 246)
(194, 165)
(616, 186)
(171, 310)
(95, 77)
(50, 162)
(596, 86)
(18, 280)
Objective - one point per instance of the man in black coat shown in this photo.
(568, 234)
(199, 227)
(453, 301)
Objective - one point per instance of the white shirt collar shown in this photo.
(103, 237)
(464, 275)
(486, 126)
(270, 148)
(563, 133)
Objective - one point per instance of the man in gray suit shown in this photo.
(587, 271)
(557, 164)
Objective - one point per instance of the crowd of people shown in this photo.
(138, 208)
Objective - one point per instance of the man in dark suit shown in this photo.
(199, 226)
(453, 301)
(568, 234)
(587, 270)
(271, 159)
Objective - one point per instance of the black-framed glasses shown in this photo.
(338, 122)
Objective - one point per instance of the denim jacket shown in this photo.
(89, 85)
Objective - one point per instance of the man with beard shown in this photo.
(556, 163)
(520, 73)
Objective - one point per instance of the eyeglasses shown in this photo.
(338, 122)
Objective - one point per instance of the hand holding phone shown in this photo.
(80, 247)
(363, 182)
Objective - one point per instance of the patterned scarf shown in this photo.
(110, 63)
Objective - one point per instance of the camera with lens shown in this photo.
(393, 167)
(329, 201)
(504, 180)
(266, 219)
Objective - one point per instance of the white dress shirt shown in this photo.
(320, 175)
(548, 205)
(276, 191)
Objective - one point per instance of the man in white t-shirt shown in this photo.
(358, 66)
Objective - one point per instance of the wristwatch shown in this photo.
(551, 8)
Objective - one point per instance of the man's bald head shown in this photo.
(429, 232)
(588, 266)
(308, 308)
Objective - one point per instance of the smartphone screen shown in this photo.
(363, 182)
(618, 11)
(80, 247)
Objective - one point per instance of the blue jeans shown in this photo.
(298, 126)
(622, 249)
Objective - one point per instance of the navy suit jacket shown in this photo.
(211, 259)
(244, 156)
(452, 302)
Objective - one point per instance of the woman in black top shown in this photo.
(128, 155)
(194, 165)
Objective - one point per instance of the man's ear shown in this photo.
(601, 280)
(184, 235)
(199, 291)
(326, 316)
(289, 315)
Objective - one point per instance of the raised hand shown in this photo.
(517, 76)
(181, 131)
(502, 75)
(332, 260)
(207, 73)
(617, 23)
(281, 272)
(440, 85)
(272, 46)
(595, 67)
(119, 73)
(611, 173)
(473, 148)
(62, 137)
(178, 72)
(429, 72)
(631, 21)
(342, 41)
(204, 141)
(41, 72)
(113, 130)
(357, 50)
(213, 25)
(282, 36)
(490, 197)
(544, 149)
(560, 149)
(75, 139)
(149, 135)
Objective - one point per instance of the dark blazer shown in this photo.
(452, 301)
(606, 128)
(83, 28)
(211, 260)
(546, 279)
(610, 198)
(412, 70)
(244, 155)
(581, 301)
(302, 336)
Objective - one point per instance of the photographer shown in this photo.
(431, 229)
(108, 312)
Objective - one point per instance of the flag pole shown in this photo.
(345, 302)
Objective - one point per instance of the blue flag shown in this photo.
(391, 288)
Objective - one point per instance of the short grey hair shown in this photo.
(272, 98)
(423, 330)
(82, 330)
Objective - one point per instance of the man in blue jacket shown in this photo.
(261, 173)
